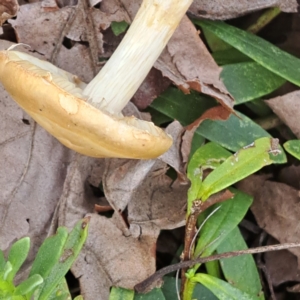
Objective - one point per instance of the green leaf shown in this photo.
(184, 108)
(213, 268)
(6, 270)
(240, 271)
(293, 147)
(118, 293)
(209, 156)
(200, 291)
(49, 253)
(229, 56)
(2, 261)
(249, 80)
(119, 27)
(155, 294)
(6, 288)
(61, 291)
(29, 285)
(271, 57)
(221, 223)
(237, 167)
(71, 250)
(236, 132)
(222, 289)
(17, 255)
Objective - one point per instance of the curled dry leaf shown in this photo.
(187, 62)
(281, 265)
(276, 209)
(214, 113)
(8, 9)
(109, 257)
(287, 108)
(223, 10)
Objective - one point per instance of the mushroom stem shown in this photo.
(147, 36)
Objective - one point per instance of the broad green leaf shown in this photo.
(72, 247)
(184, 108)
(221, 288)
(17, 255)
(259, 107)
(229, 56)
(271, 57)
(119, 27)
(118, 293)
(221, 223)
(209, 156)
(240, 271)
(293, 147)
(155, 294)
(237, 167)
(236, 132)
(49, 253)
(249, 80)
(29, 285)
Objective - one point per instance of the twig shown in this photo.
(143, 286)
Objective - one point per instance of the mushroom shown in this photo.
(88, 118)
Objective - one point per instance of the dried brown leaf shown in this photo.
(287, 108)
(8, 9)
(281, 265)
(276, 208)
(223, 10)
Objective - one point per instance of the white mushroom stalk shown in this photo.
(87, 118)
(147, 36)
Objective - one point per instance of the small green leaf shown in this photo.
(6, 288)
(17, 255)
(236, 132)
(29, 285)
(61, 291)
(49, 253)
(221, 223)
(71, 250)
(6, 270)
(209, 156)
(240, 271)
(169, 290)
(2, 261)
(238, 166)
(119, 27)
(118, 293)
(271, 57)
(221, 288)
(293, 147)
(249, 80)
(156, 294)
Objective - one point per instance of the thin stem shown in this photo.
(186, 264)
(147, 36)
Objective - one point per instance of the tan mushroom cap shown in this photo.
(53, 98)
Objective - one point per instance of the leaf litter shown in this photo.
(44, 185)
